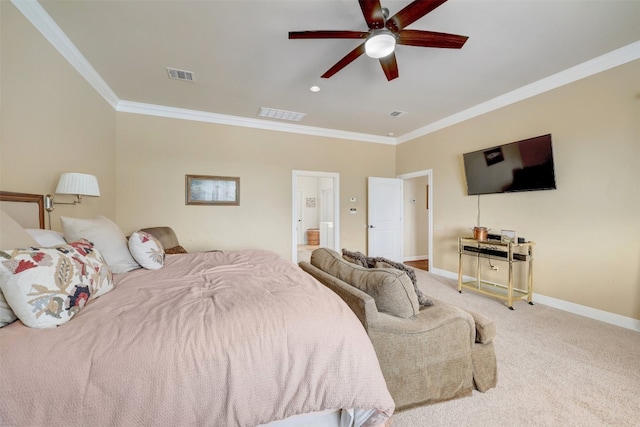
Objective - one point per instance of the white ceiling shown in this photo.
(242, 59)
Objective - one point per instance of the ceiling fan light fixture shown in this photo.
(380, 43)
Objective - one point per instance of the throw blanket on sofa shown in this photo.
(379, 262)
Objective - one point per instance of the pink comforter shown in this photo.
(234, 338)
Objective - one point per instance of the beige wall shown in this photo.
(52, 121)
(154, 154)
(587, 231)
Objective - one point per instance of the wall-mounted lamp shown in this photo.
(79, 184)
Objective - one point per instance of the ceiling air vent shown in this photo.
(397, 113)
(272, 113)
(183, 75)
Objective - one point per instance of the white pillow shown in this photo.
(46, 238)
(12, 235)
(147, 250)
(6, 314)
(106, 236)
(46, 287)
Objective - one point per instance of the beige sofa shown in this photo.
(427, 354)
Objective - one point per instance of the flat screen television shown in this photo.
(525, 165)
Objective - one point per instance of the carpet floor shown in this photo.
(554, 369)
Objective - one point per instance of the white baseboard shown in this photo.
(581, 310)
(416, 258)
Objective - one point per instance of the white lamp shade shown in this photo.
(380, 44)
(78, 183)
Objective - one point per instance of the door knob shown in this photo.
(372, 226)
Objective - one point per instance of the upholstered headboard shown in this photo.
(26, 209)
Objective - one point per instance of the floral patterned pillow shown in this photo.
(146, 250)
(46, 287)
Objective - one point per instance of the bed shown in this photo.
(223, 338)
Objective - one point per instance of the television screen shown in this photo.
(525, 165)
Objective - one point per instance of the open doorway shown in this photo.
(418, 218)
(315, 212)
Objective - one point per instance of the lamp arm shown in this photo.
(49, 202)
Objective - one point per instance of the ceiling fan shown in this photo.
(384, 33)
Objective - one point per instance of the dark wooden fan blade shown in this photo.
(411, 13)
(348, 59)
(372, 12)
(389, 66)
(327, 34)
(430, 39)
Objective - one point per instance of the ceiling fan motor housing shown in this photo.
(380, 43)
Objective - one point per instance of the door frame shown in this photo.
(295, 174)
(429, 174)
(299, 210)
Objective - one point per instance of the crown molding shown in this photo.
(40, 19)
(202, 116)
(617, 57)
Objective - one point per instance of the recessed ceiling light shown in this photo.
(315, 89)
(390, 133)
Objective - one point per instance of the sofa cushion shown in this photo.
(380, 262)
(392, 290)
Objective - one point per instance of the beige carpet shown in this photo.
(305, 251)
(554, 369)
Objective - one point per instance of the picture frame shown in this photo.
(311, 202)
(212, 190)
(508, 236)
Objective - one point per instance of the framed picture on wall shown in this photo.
(212, 190)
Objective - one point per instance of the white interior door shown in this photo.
(384, 212)
(326, 205)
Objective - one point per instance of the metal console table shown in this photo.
(509, 252)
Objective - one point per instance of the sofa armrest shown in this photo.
(362, 304)
(485, 328)
(166, 235)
